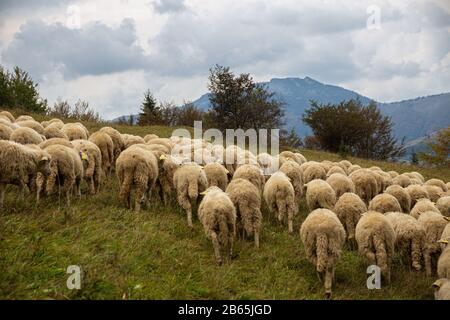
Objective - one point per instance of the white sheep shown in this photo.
(189, 180)
(20, 165)
(319, 194)
(247, 201)
(349, 209)
(323, 236)
(434, 224)
(409, 237)
(376, 238)
(279, 196)
(443, 204)
(340, 183)
(384, 203)
(138, 168)
(218, 217)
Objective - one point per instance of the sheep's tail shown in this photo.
(250, 218)
(322, 252)
(193, 189)
(223, 227)
(380, 252)
(127, 182)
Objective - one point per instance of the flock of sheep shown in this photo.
(367, 209)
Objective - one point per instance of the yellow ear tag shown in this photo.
(203, 193)
(84, 156)
(443, 241)
(162, 157)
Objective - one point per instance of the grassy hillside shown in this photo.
(154, 255)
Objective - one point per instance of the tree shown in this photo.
(5, 98)
(361, 131)
(187, 114)
(23, 92)
(290, 139)
(440, 149)
(414, 158)
(150, 112)
(237, 102)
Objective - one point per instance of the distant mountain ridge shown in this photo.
(413, 119)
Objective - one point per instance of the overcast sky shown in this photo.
(109, 52)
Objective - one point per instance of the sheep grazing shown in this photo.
(189, 180)
(138, 168)
(376, 238)
(56, 122)
(26, 135)
(422, 206)
(5, 132)
(416, 192)
(93, 173)
(393, 174)
(319, 194)
(74, 131)
(168, 166)
(353, 168)
(20, 164)
(336, 169)
(300, 158)
(340, 184)
(247, 200)
(409, 237)
(279, 195)
(24, 118)
(443, 205)
(418, 176)
(218, 217)
(383, 203)
(53, 132)
(292, 170)
(347, 164)
(289, 156)
(434, 192)
(129, 140)
(150, 136)
(443, 265)
(366, 186)
(162, 141)
(402, 180)
(117, 139)
(36, 126)
(7, 115)
(313, 172)
(106, 146)
(217, 175)
(267, 163)
(401, 195)
(349, 209)
(252, 173)
(323, 236)
(53, 141)
(66, 169)
(438, 183)
(442, 289)
(434, 224)
(380, 180)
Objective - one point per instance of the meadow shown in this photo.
(155, 255)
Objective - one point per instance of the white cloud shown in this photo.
(124, 47)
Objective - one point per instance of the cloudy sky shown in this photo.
(109, 52)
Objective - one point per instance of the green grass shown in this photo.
(154, 255)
